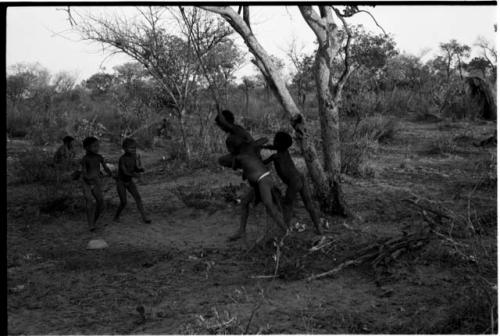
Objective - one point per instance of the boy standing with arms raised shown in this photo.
(128, 167)
(91, 181)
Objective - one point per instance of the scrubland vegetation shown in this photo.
(415, 168)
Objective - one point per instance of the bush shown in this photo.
(361, 140)
(34, 166)
(18, 124)
(442, 145)
(377, 128)
(354, 158)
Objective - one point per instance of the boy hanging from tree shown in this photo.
(225, 120)
(238, 135)
(245, 155)
(129, 166)
(91, 180)
(295, 181)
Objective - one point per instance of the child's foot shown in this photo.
(236, 236)
(92, 229)
(147, 220)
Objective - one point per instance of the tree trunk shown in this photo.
(247, 98)
(328, 104)
(182, 123)
(327, 187)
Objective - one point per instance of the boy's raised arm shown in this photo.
(106, 168)
(223, 123)
(138, 164)
(260, 142)
(271, 147)
(269, 159)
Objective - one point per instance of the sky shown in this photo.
(43, 34)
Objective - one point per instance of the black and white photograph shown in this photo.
(251, 168)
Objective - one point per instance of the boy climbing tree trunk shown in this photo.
(326, 180)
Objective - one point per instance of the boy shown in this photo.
(91, 181)
(245, 155)
(295, 181)
(128, 167)
(65, 153)
(225, 120)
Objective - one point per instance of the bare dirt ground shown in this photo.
(188, 279)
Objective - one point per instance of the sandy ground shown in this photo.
(188, 279)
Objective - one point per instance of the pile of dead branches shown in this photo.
(387, 250)
(383, 251)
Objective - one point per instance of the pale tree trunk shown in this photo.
(247, 99)
(182, 123)
(327, 186)
(329, 96)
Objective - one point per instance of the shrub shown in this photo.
(377, 128)
(34, 166)
(354, 159)
(361, 140)
(18, 123)
(85, 128)
(442, 145)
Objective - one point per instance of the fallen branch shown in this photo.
(263, 276)
(247, 329)
(383, 251)
(332, 271)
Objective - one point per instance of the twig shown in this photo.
(335, 270)
(211, 82)
(251, 317)
(263, 276)
(367, 12)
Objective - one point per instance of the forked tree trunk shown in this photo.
(327, 185)
(329, 98)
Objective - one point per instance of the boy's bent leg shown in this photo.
(289, 202)
(122, 194)
(97, 192)
(305, 194)
(265, 187)
(90, 205)
(245, 205)
(132, 188)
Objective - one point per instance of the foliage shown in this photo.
(34, 166)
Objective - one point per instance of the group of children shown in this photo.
(244, 153)
(89, 175)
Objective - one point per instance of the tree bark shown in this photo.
(329, 97)
(327, 185)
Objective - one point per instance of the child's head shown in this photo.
(91, 144)
(68, 141)
(129, 145)
(229, 116)
(282, 140)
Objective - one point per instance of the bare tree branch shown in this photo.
(367, 12)
(347, 65)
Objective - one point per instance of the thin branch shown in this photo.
(367, 12)
(246, 16)
(204, 69)
(71, 21)
(347, 65)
